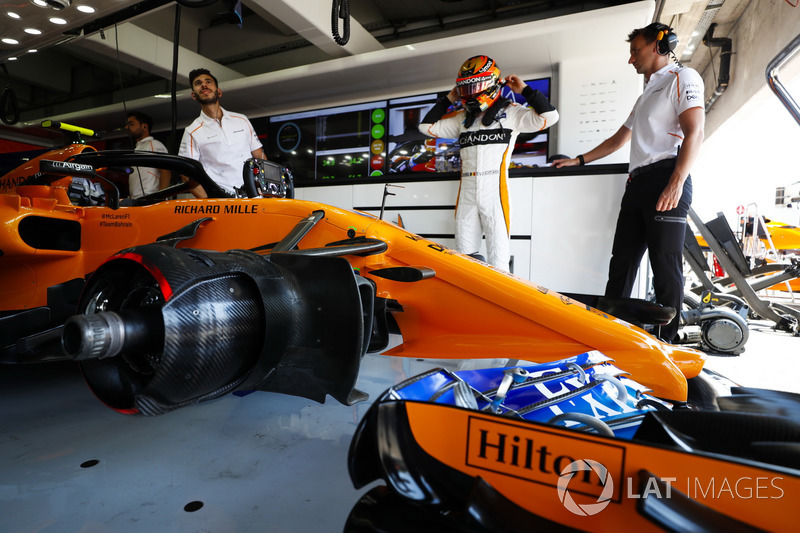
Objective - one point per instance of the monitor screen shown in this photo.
(334, 144)
(367, 141)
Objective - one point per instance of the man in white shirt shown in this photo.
(221, 140)
(665, 130)
(145, 180)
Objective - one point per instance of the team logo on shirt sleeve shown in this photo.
(692, 91)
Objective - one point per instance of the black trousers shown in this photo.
(640, 227)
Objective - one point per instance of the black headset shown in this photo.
(667, 41)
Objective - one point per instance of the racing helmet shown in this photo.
(478, 83)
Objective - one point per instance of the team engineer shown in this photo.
(221, 140)
(665, 130)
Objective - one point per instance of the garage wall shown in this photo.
(560, 235)
(763, 30)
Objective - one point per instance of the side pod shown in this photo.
(161, 328)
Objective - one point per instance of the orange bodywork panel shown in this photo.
(524, 461)
(9, 181)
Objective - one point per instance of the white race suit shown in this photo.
(486, 142)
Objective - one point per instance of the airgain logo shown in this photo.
(585, 465)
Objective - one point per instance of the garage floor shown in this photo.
(257, 463)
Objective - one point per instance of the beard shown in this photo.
(212, 98)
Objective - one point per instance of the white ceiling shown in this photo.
(283, 58)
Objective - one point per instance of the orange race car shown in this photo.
(784, 238)
(180, 300)
(168, 302)
(769, 245)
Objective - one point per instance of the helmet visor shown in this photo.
(473, 86)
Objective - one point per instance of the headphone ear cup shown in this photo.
(667, 41)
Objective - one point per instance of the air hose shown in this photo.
(340, 10)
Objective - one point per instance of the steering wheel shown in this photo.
(265, 178)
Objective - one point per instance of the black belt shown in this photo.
(664, 163)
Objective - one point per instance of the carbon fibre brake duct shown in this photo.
(161, 328)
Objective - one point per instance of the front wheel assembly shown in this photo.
(162, 327)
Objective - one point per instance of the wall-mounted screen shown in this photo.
(370, 140)
(342, 143)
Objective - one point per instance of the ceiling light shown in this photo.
(85, 9)
(13, 15)
(40, 3)
(33, 31)
(32, 51)
(56, 20)
(9, 40)
(12, 58)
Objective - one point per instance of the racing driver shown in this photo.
(486, 126)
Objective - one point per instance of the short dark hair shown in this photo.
(649, 32)
(143, 118)
(199, 72)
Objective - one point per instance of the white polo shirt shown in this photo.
(144, 180)
(221, 147)
(656, 131)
